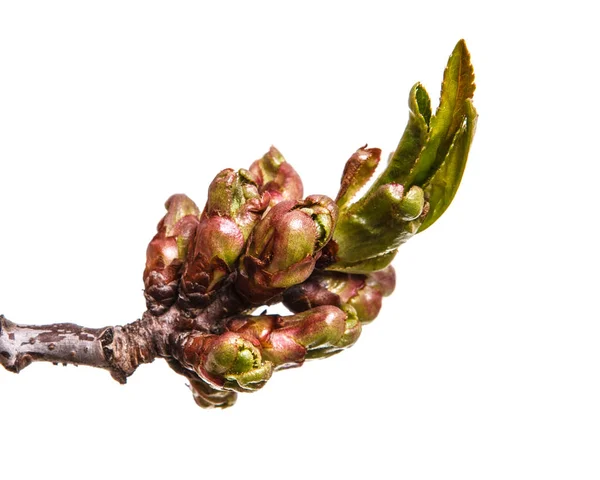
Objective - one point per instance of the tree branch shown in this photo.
(119, 349)
(20, 345)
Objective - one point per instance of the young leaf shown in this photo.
(411, 143)
(458, 86)
(442, 187)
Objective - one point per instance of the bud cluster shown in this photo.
(259, 242)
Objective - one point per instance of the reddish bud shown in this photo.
(284, 247)
(167, 251)
(233, 207)
(277, 177)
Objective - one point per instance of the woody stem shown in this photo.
(119, 349)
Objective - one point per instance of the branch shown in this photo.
(20, 345)
(119, 349)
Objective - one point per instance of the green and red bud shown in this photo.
(284, 247)
(288, 341)
(236, 195)
(167, 251)
(362, 293)
(226, 362)
(233, 208)
(357, 172)
(277, 177)
(207, 396)
(367, 299)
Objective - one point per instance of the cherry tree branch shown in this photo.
(20, 345)
(119, 349)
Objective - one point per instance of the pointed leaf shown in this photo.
(458, 86)
(412, 141)
(442, 187)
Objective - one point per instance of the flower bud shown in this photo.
(236, 195)
(167, 251)
(367, 299)
(277, 177)
(284, 247)
(233, 207)
(362, 293)
(226, 362)
(206, 396)
(287, 341)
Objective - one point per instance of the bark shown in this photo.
(119, 349)
(20, 345)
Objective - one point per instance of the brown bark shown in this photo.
(119, 349)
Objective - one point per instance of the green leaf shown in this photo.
(458, 86)
(411, 143)
(442, 186)
(420, 180)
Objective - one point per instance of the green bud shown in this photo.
(277, 177)
(284, 247)
(412, 204)
(359, 295)
(287, 341)
(233, 208)
(226, 362)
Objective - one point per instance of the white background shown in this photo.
(485, 363)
